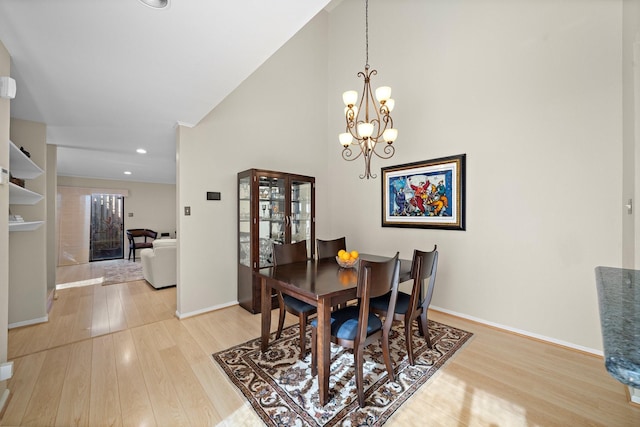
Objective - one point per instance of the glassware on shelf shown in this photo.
(244, 190)
(265, 252)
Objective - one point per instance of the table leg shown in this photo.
(265, 307)
(324, 349)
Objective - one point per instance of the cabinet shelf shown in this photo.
(22, 196)
(22, 166)
(25, 226)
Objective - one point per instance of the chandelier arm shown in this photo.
(388, 151)
(347, 153)
(367, 167)
(351, 128)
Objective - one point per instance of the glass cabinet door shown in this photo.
(272, 214)
(244, 220)
(300, 218)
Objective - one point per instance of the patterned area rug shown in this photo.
(122, 272)
(281, 390)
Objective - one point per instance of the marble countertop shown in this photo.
(619, 301)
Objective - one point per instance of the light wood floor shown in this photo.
(117, 356)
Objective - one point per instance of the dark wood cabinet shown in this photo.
(273, 208)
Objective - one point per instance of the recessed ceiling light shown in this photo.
(141, 151)
(127, 172)
(155, 4)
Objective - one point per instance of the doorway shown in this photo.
(106, 227)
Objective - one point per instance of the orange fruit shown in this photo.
(340, 252)
(354, 254)
(345, 256)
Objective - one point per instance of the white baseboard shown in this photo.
(29, 322)
(520, 331)
(205, 310)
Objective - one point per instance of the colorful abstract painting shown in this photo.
(426, 194)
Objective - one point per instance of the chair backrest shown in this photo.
(135, 232)
(150, 233)
(132, 233)
(423, 266)
(330, 248)
(287, 253)
(376, 279)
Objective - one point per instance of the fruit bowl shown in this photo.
(350, 263)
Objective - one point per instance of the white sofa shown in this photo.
(159, 264)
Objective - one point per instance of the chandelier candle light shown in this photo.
(375, 125)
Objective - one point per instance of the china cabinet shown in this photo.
(273, 208)
(22, 167)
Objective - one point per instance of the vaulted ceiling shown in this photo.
(108, 77)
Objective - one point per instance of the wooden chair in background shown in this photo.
(147, 236)
(286, 254)
(330, 248)
(413, 307)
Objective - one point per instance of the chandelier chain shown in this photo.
(366, 30)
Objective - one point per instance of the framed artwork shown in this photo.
(426, 194)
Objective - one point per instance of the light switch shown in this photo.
(187, 210)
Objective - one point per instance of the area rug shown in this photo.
(121, 272)
(282, 392)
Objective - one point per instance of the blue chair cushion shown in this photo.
(314, 322)
(296, 304)
(382, 302)
(344, 323)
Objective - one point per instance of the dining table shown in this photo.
(323, 284)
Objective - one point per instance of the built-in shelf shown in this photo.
(22, 196)
(24, 226)
(22, 166)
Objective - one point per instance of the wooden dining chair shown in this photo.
(356, 326)
(330, 248)
(286, 254)
(415, 306)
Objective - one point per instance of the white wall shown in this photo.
(5, 68)
(275, 120)
(531, 92)
(631, 122)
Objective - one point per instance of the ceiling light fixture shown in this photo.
(368, 131)
(155, 4)
(127, 172)
(141, 151)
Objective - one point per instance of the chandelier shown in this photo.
(369, 123)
